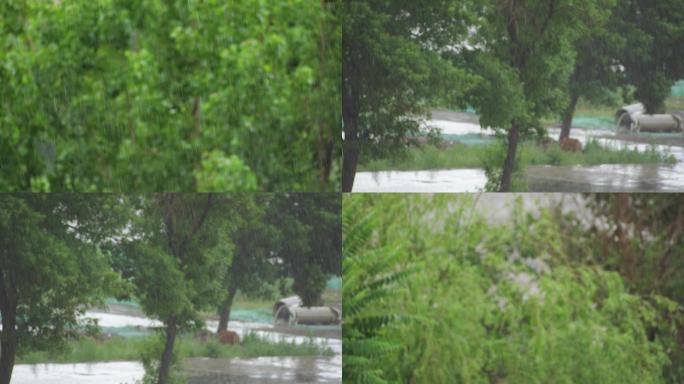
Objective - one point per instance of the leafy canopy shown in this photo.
(132, 95)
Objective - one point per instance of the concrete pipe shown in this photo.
(292, 301)
(282, 309)
(316, 315)
(658, 123)
(625, 117)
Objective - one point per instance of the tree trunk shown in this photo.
(165, 362)
(8, 335)
(224, 312)
(8, 346)
(507, 173)
(350, 157)
(654, 107)
(350, 160)
(567, 118)
(350, 119)
(326, 162)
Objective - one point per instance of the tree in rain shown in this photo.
(283, 236)
(527, 71)
(169, 95)
(50, 268)
(596, 76)
(641, 236)
(311, 241)
(655, 31)
(253, 241)
(392, 70)
(175, 273)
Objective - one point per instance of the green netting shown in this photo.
(258, 315)
(335, 283)
(678, 89)
(469, 138)
(130, 303)
(127, 331)
(593, 122)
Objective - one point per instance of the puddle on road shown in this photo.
(610, 177)
(606, 178)
(119, 372)
(451, 180)
(114, 320)
(457, 128)
(260, 370)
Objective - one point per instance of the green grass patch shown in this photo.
(592, 154)
(463, 156)
(673, 103)
(87, 349)
(252, 346)
(429, 157)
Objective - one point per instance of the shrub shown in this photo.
(484, 303)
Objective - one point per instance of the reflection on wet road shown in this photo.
(452, 180)
(605, 178)
(262, 370)
(610, 177)
(119, 372)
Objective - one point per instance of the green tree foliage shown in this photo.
(641, 238)
(169, 95)
(493, 303)
(596, 76)
(310, 229)
(652, 60)
(392, 70)
(254, 242)
(369, 279)
(50, 269)
(527, 71)
(273, 237)
(175, 273)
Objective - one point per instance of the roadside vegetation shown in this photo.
(431, 157)
(437, 292)
(91, 349)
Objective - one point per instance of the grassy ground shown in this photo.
(87, 349)
(463, 156)
(243, 302)
(673, 103)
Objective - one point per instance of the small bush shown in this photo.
(491, 156)
(213, 349)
